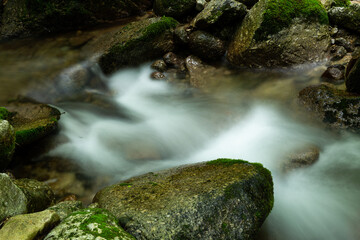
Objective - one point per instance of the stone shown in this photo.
(337, 108)
(220, 199)
(7, 143)
(219, 12)
(353, 78)
(200, 4)
(138, 42)
(175, 61)
(32, 120)
(39, 195)
(175, 9)
(12, 199)
(343, 42)
(272, 35)
(22, 18)
(200, 73)
(301, 158)
(65, 208)
(334, 74)
(157, 76)
(328, 4)
(206, 46)
(29, 226)
(88, 224)
(339, 53)
(159, 65)
(182, 34)
(347, 17)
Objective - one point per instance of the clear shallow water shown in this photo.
(159, 126)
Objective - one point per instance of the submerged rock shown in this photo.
(32, 120)
(138, 42)
(219, 12)
(29, 226)
(347, 17)
(7, 143)
(12, 199)
(206, 46)
(301, 158)
(337, 108)
(176, 9)
(281, 33)
(221, 199)
(199, 72)
(90, 223)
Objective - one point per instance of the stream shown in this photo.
(251, 115)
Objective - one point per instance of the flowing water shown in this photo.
(153, 125)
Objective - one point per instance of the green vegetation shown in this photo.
(279, 14)
(4, 113)
(226, 161)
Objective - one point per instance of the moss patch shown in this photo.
(4, 113)
(279, 14)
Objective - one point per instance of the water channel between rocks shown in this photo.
(149, 125)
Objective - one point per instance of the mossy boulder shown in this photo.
(29, 226)
(346, 17)
(219, 13)
(138, 42)
(39, 195)
(221, 199)
(64, 209)
(12, 199)
(32, 120)
(353, 77)
(281, 33)
(337, 108)
(174, 8)
(21, 18)
(90, 223)
(7, 142)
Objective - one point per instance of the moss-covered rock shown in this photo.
(7, 142)
(29, 226)
(220, 13)
(138, 42)
(90, 223)
(221, 199)
(4, 113)
(337, 108)
(174, 8)
(12, 199)
(347, 17)
(39, 195)
(32, 120)
(64, 209)
(33, 17)
(281, 33)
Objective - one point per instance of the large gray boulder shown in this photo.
(7, 143)
(221, 199)
(29, 226)
(339, 109)
(138, 42)
(89, 224)
(347, 17)
(281, 33)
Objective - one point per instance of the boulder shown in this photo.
(39, 195)
(334, 74)
(301, 158)
(337, 108)
(281, 33)
(32, 120)
(347, 17)
(159, 65)
(221, 199)
(23, 18)
(90, 223)
(29, 226)
(7, 142)
(64, 209)
(12, 199)
(138, 42)
(206, 46)
(353, 78)
(175, 9)
(200, 73)
(219, 12)
(335, 3)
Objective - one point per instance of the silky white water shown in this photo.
(160, 126)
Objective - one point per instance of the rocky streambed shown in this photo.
(97, 147)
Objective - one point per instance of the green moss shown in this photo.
(279, 14)
(4, 113)
(225, 161)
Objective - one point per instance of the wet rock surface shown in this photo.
(90, 223)
(176, 9)
(302, 158)
(7, 143)
(334, 74)
(221, 199)
(64, 209)
(347, 17)
(206, 46)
